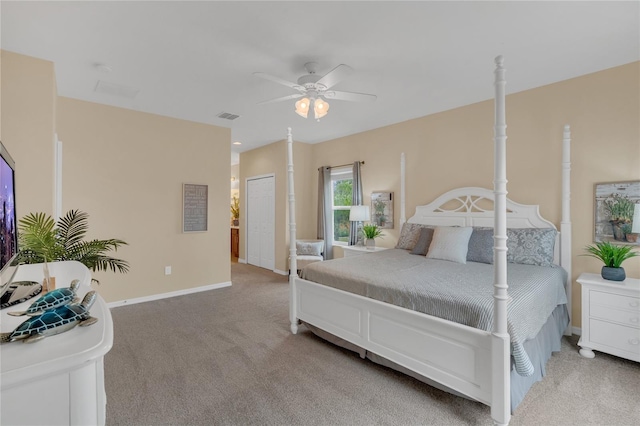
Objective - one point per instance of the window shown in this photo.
(341, 193)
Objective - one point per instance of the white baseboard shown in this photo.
(242, 260)
(577, 331)
(167, 295)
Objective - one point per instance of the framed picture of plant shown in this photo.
(382, 209)
(614, 205)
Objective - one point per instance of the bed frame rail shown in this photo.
(456, 355)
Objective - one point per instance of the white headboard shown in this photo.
(474, 207)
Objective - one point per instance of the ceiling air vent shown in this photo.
(116, 90)
(227, 116)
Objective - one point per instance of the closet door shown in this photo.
(261, 222)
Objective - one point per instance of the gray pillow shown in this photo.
(481, 246)
(531, 246)
(450, 243)
(424, 241)
(409, 236)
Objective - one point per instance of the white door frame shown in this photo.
(246, 224)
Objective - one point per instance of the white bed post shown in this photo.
(403, 217)
(565, 225)
(293, 264)
(500, 348)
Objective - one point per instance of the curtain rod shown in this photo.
(341, 165)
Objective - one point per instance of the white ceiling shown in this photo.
(194, 60)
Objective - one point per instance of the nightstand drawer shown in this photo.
(616, 336)
(614, 300)
(625, 317)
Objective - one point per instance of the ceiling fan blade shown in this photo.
(278, 80)
(284, 98)
(336, 75)
(349, 96)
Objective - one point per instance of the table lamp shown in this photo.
(359, 214)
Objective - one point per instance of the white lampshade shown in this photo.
(320, 108)
(359, 213)
(635, 225)
(302, 107)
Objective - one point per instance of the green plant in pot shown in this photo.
(42, 240)
(235, 211)
(371, 232)
(612, 256)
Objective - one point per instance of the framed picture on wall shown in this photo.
(382, 209)
(195, 201)
(614, 206)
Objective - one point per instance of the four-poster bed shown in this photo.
(473, 360)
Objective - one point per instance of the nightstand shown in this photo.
(358, 250)
(610, 317)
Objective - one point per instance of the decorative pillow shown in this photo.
(481, 246)
(424, 241)
(309, 248)
(450, 243)
(531, 246)
(409, 236)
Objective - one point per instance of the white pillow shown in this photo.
(309, 248)
(450, 243)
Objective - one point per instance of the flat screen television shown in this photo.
(8, 220)
(11, 292)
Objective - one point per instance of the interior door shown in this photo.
(261, 222)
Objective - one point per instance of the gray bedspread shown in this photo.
(462, 293)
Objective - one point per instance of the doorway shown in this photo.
(261, 221)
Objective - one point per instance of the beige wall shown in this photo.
(27, 128)
(455, 148)
(126, 169)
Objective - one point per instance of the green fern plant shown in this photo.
(612, 255)
(41, 239)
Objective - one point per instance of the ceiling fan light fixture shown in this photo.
(320, 108)
(302, 107)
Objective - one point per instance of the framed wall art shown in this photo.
(382, 209)
(195, 199)
(614, 206)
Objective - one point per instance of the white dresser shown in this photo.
(58, 380)
(610, 317)
(358, 250)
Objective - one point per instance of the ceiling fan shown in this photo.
(314, 90)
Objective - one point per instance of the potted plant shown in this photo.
(43, 240)
(235, 211)
(620, 211)
(612, 255)
(628, 234)
(371, 232)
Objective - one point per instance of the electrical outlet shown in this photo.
(167, 270)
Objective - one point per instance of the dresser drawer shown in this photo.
(616, 336)
(626, 317)
(614, 300)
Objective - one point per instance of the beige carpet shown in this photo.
(227, 357)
